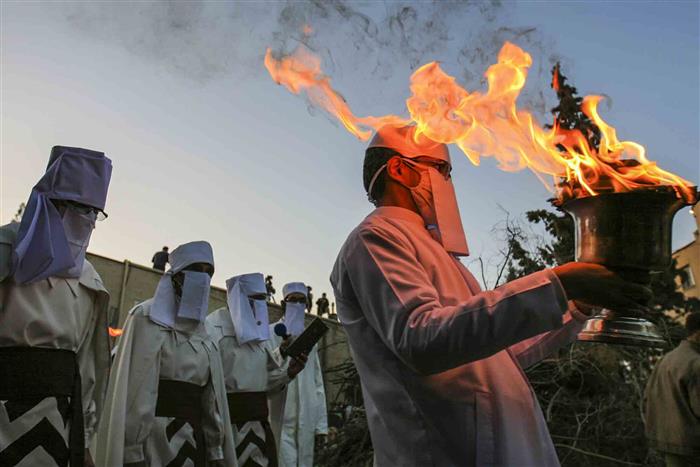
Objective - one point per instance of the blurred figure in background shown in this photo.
(160, 259)
(322, 305)
(672, 397)
(54, 347)
(309, 299)
(269, 289)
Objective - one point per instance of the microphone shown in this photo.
(281, 330)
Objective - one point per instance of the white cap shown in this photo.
(403, 140)
(294, 287)
(190, 253)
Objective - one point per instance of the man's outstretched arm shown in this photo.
(401, 304)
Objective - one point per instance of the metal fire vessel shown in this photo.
(630, 233)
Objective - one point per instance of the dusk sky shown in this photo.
(206, 146)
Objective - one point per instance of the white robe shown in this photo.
(147, 352)
(55, 313)
(441, 373)
(250, 367)
(304, 416)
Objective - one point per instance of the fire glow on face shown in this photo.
(490, 124)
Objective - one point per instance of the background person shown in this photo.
(672, 401)
(309, 299)
(54, 346)
(322, 305)
(160, 259)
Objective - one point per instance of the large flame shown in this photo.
(491, 124)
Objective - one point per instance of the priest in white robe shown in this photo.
(441, 361)
(302, 416)
(166, 402)
(54, 346)
(252, 367)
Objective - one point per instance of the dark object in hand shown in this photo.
(306, 340)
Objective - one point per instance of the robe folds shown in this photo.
(303, 413)
(441, 361)
(148, 353)
(69, 314)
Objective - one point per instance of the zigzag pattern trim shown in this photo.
(42, 435)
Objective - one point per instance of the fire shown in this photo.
(115, 332)
(490, 124)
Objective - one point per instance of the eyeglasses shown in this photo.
(84, 209)
(444, 167)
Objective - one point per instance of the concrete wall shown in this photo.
(130, 283)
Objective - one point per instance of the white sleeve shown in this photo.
(277, 377)
(142, 387)
(87, 353)
(535, 349)
(213, 415)
(402, 305)
(320, 393)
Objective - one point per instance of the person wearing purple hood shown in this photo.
(54, 345)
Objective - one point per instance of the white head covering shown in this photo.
(249, 317)
(435, 199)
(195, 292)
(294, 287)
(294, 312)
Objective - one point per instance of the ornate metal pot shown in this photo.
(630, 233)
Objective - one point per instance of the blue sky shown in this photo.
(206, 146)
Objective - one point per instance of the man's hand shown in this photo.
(596, 285)
(296, 365)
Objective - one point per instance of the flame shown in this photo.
(115, 332)
(490, 124)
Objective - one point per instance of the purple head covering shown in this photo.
(73, 174)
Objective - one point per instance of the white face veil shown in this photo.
(434, 195)
(248, 311)
(294, 312)
(194, 302)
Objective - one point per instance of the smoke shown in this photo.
(204, 41)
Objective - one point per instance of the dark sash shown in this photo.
(183, 401)
(32, 374)
(250, 407)
(247, 406)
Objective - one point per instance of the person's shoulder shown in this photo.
(8, 237)
(372, 227)
(90, 278)
(141, 310)
(216, 317)
(8, 233)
